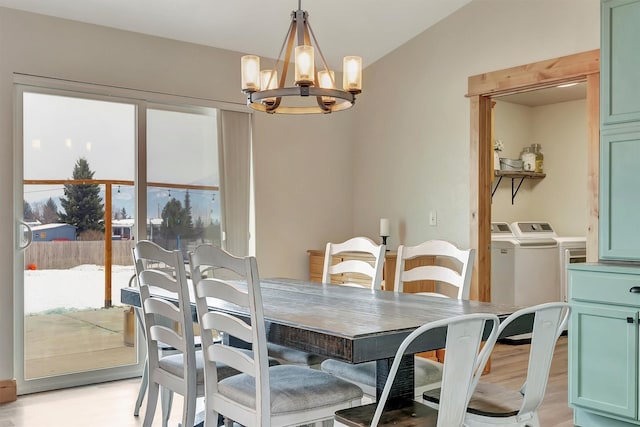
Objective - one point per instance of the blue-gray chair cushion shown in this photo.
(293, 388)
(293, 356)
(175, 362)
(426, 371)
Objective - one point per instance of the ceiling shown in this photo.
(368, 28)
(551, 95)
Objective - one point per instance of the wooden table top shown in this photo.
(348, 323)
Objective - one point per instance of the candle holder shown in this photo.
(384, 242)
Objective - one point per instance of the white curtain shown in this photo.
(235, 152)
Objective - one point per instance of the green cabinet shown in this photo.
(604, 335)
(620, 61)
(619, 224)
(619, 230)
(603, 344)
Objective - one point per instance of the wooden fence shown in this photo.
(63, 255)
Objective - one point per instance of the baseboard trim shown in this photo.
(8, 391)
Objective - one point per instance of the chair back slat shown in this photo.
(231, 357)
(220, 289)
(166, 336)
(433, 272)
(163, 308)
(353, 266)
(158, 279)
(232, 325)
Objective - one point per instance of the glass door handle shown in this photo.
(22, 243)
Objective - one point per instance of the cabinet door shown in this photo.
(619, 225)
(620, 62)
(603, 346)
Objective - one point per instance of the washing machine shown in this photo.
(524, 265)
(571, 250)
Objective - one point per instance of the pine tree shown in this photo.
(50, 212)
(27, 214)
(82, 203)
(188, 226)
(173, 219)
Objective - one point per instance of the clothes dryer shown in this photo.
(571, 250)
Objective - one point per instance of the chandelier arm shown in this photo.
(275, 66)
(287, 55)
(273, 107)
(324, 61)
(325, 108)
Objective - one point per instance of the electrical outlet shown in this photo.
(433, 218)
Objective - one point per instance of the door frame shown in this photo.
(584, 66)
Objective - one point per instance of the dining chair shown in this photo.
(370, 269)
(455, 270)
(167, 324)
(367, 270)
(498, 405)
(467, 359)
(259, 395)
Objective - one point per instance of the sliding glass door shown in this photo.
(83, 203)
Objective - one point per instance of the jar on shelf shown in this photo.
(528, 158)
(539, 157)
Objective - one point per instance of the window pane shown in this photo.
(183, 200)
(59, 130)
(73, 320)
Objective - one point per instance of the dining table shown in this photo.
(354, 324)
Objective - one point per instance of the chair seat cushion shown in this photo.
(426, 371)
(175, 362)
(489, 400)
(293, 388)
(291, 355)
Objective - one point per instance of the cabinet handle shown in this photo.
(629, 319)
(635, 290)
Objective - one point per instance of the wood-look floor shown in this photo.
(111, 404)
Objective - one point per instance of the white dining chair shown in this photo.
(160, 270)
(497, 405)
(461, 370)
(455, 269)
(260, 395)
(371, 269)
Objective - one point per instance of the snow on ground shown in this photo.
(81, 287)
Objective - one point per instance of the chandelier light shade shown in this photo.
(312, 91)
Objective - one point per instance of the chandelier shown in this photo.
(312, 92)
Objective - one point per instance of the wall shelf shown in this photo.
(514, 175)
